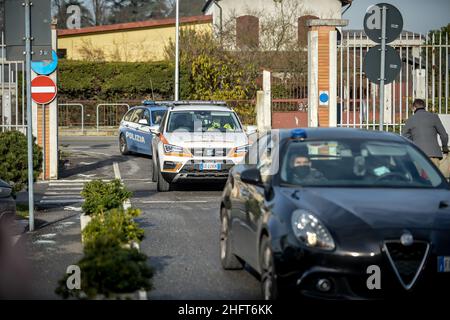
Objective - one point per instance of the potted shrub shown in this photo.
(118, 225)
(100, 196)
(109, 271)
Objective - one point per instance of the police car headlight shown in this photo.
(309, 230)
(170, 149)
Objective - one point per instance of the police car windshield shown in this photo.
(357, 163)
(203, 121)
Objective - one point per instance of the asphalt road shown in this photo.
(181, 226)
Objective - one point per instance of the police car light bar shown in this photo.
(199, 102)
(156, 103)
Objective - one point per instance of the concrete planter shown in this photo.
(84, 220)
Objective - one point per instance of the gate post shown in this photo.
(51, 123)
(322, 71)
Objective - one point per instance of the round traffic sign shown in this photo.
(45, 67)
(374, 18)
(372, 64)
(43, 89)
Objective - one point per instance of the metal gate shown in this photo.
(12, 93)
(424, 74)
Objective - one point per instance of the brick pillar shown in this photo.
(322, 71)
(51, 125)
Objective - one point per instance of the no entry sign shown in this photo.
(43, 90)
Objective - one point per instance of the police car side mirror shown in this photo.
(143, 121)
(251, 176)
(155, 129)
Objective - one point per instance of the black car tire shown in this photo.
(269, 285)
(123, 147)
(162, 185)
(227, 258)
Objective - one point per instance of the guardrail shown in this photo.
(75, 105)
(109, 104)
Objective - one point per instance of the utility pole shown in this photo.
(27, 4)
(177, 50)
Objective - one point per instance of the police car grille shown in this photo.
(210, 152)
(407, 259)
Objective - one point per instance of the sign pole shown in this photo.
(43, 142)
(382, 65)
(29, 115)
(177, 49)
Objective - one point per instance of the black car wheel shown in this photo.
(123, 145)
(269, 286)
(228, 259)
(162, 185)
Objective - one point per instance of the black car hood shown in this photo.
(376, 208)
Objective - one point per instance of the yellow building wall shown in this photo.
(135, 45)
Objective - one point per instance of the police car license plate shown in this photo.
(209, 166)
(444, 264)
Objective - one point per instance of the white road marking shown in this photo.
(86, 175)
(15, 239)
(116, 171)
(70, 208)
(48, 235)
(63, 196)
(174, 201)
(45, 241)
(86, 163)
(61, 201)
(56, 193)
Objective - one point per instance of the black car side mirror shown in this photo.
(251, 176)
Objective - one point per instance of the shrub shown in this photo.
(116, 225)
(108, 269)
(102, 196)
(14, 159)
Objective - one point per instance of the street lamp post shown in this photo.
(177, 50)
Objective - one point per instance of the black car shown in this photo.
(338, 213)
(7, 203)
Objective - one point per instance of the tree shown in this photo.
(137, 10)
(59, 9)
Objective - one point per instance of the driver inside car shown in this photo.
(302, 172)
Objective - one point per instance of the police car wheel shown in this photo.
(269, 284)
(162, 184)
(154, 168)
(123, 145)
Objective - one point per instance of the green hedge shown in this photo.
(80, 80)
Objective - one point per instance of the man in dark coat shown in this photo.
(422, 128)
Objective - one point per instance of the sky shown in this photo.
(418, 15)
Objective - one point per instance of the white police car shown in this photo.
(197, 140)
(135, 128)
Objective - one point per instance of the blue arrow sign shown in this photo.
(45, 67)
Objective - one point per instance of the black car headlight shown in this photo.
(309, 230)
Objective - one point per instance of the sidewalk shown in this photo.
(52, 246)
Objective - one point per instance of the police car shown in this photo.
(135, 128)
(197, 140)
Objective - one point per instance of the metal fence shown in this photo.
(424, 74)
(12, 93)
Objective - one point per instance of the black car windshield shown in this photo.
(203, 121)
(357, 163)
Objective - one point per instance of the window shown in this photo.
(61, 53)
(203, 121)
(247, 32)
(127, 117)
(357, 163)
(146, 116)
(137, 115)
(157, 116)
